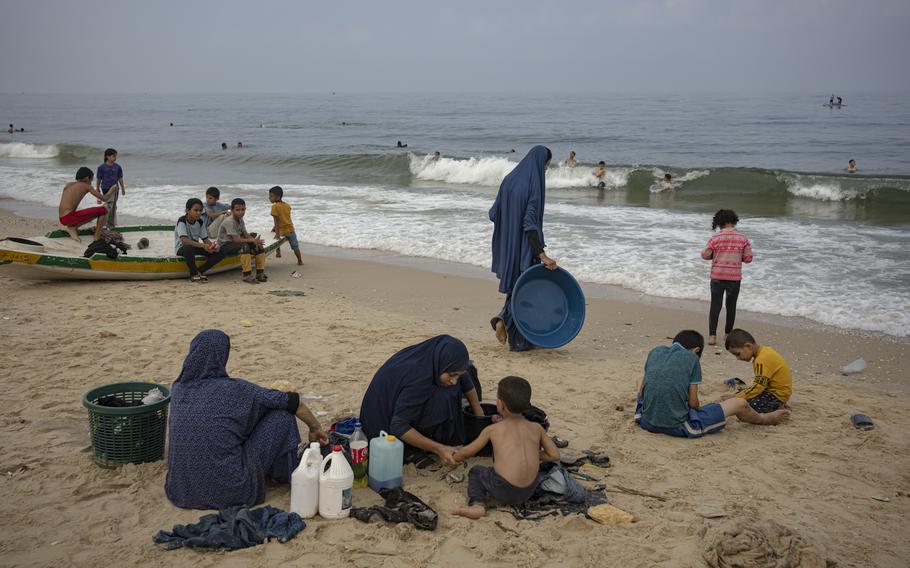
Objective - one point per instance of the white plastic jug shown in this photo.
(305, 483)
(386, 462)
(336, 484)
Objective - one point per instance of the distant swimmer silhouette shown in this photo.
(400, 145)
(240, 144)
(851, 166)
(10, 129)
(224, 145)
(570, 161)
(436, 155)
(172, 124)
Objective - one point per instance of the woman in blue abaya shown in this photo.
(518, 244)
(416, 396)
(227, 435)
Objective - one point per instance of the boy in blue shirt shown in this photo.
(668, 394)
(110, 176)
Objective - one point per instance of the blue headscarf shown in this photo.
(518, 208)
(207, 357)
(400, 388)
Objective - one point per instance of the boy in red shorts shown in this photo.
(73, 192)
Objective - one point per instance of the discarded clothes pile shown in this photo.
(400, 507)
(234, 528)
(558, 493)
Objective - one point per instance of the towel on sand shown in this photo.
(233, 528)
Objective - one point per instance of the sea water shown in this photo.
(829, 246)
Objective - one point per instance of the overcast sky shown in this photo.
(462, 46)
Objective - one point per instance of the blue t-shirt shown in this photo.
(216, 208)
(109, 175)
(668, 373)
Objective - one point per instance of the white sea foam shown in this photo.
(654, 251)
(490, 171)
(23, 150)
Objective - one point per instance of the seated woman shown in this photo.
(416, 396)
(227, 435)
(192, 238)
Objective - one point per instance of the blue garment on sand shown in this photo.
(226, 435)
(233, 528)
(518, 208)
(405, 392)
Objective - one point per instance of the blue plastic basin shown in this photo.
(548, 306)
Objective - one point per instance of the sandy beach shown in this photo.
(844, 492)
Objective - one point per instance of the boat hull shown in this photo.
(56, 257)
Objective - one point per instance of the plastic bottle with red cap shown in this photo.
(336, 482)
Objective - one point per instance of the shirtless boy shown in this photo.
(519, 446)
(73, 192)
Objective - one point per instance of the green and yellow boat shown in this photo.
(56, 256)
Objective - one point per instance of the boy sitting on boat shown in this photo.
(73, 192)
(235, 239)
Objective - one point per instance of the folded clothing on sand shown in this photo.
(233, 528)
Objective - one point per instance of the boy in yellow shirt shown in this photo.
(773, 381)
(284, 227)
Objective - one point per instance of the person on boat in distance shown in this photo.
(416, 396)
(73, 192)
(227, 435)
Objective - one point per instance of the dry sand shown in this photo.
(815, 476)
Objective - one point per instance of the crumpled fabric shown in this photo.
(763, 543)
(559, 494)
(234, 528)
(400, 506)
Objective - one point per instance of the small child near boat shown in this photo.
(773, 380)
(517, 453)
(235, 239)
(73, 193)
(215, 212)
(284, 227)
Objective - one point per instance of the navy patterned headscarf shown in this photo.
(207, 358)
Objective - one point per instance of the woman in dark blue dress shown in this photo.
(416, 396)
(227, 435)
(518, 244)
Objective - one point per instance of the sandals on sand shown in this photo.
(862, 422)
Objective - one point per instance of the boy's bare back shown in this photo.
(516, 449)
(73, 192)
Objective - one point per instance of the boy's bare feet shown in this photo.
(712, 340)
(779, 416)
(501, 335)
(472, 512)
(74, 234)
(299, 263)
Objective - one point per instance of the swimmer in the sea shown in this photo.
(851, 166)
(224, 145)
(436, 155)
(570, 161)
(400, 145)
(600, 173)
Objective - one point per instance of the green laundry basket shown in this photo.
(132, 434)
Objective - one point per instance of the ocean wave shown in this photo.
(24, 150)
(676, 182)
(839, 188)
(490, 171)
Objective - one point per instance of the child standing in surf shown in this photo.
(727, 251)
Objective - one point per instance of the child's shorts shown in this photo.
(765, 403)
(709, 419)
(292, 240)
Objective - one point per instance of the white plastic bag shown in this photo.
(854, 367)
